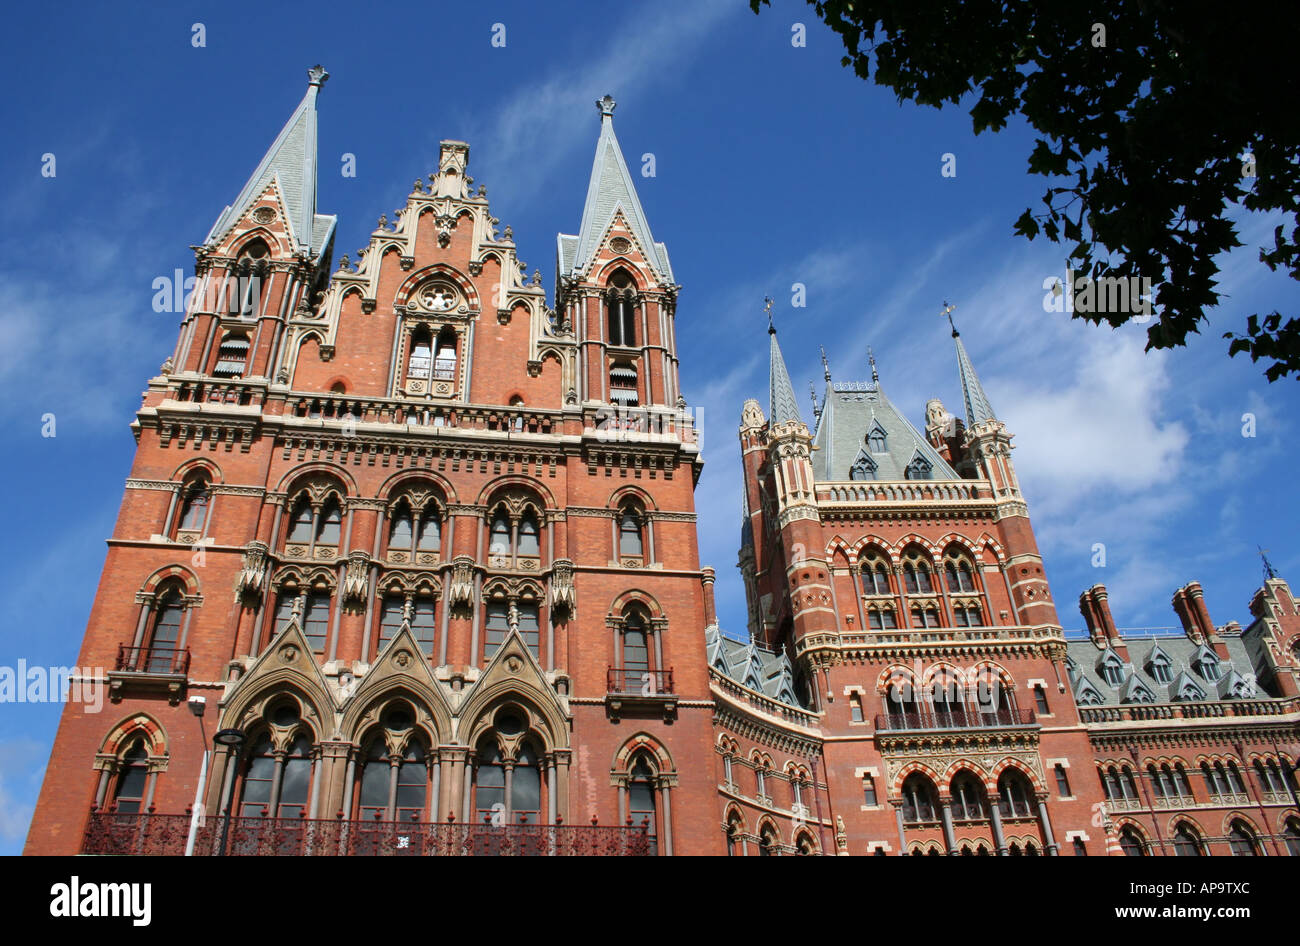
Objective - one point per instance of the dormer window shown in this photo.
(1112, 669)
(1160, 669)
(864, 468)
(919, 469)
(1207, 665)
(877, 442)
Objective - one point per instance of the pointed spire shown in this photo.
(826, 365)
(875, 376)
(978, 408)
(610, 191)
(291, 161)
(781, 402)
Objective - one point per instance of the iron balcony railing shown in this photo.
(640, 682)
(109, 832)
(956, 719)
(173, 660)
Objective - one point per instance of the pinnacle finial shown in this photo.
(871, 359)
(812, 392)
(767, 307)
(947, 311)
(606, 106)
(317, 75)
(826, 365)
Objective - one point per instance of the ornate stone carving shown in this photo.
(564, 597)
(354, 578)
(460, 591)
(252, 572)
(263, 215)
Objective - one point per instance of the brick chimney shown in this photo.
(1101, 625)
(707, 577)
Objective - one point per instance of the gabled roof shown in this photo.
(749, 663)
(850, 412)
(609, 192)
(1135, 691)
(1185, 688)
(291, 164)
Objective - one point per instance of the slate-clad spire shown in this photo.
(291, 161)
(978, 408)
(782, 407)
(610, 191)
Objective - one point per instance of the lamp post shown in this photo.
(232, 739)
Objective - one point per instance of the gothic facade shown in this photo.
(407, 563)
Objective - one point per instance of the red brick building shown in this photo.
(423, 549)
(907, 687)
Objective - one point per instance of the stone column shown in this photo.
(949, 837)
(995, 819)
(1053, 849)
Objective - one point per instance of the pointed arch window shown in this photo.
(411, 794)
(967, 798)
(300, 528)
(400, 535)
(316, 618)
(132, 780)
(863, 468)
(1241, 840)
(164, 640)
(497, 627)
(636, 645)
(919, 804)
(1131, 844)
(423, 623)
(641, 802)
(194, 505)
(960, 575)
(489, 782)
(444, 359)
(620, 310)
(919, 469)
(259, 776)
(499, 539)
(421, 359)
(1160, 669)
(390, 620)
(376, 774)
(1014, 795)
(877, 442)
(882, 619)
(630, 541)
(925, 617)
(331, 521)
(1291, 837)
(917, 578)
(529, 536)
(875, 576)
(1207, 665)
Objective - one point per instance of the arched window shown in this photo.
(444, 359)
(500, 543)
(927, 617)
(919, 469)
(804, 846)
(917, 578)
(194, 505)
(412, 783)
(630, 542)
(421, 360)
(1186, 843)
(767, 842)
(1241, 840)
(316, 618)
(258, 779)
(636, 647)
(734, 830)
(400, 535)
(429, 538)
(300, 528)
(132, 778)
(1207, 664)
(1131, 844)
(881, 618)
(423, 623)
(1015, 795)
(620, 310)
(526, 787)
(489, 782)
(1291, 837)
(164, 641)
(919, 804)
(960, 575)
(875, 575)
(967, 798)
(641, 799)
(376, 774)
(863, 468)
(876, 440)
(529, 542)
(391, 615)
(331, 519)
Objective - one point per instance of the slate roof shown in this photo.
(978, 408)
(1085, 674)
(850, 412)
(291, 163)
(609, 191)
(782, 406)
(751, 665)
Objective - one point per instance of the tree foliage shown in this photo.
(1151, 115)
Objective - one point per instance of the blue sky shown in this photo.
(774, 166)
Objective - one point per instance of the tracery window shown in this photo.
(1131, 844)
(1186, 842)
(875, 574)
(1241, 840)
(132, 779)
(919, 801)
(967, 798)
(620, 309)
(1015, 795)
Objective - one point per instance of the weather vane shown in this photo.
(947, 313)
(767, 307)
(1269, 571)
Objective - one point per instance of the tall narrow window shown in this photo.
(636, 653)
(327, 533)
(1040, 700)
(855, 708)
(1014, 795)
(258, 778)
(498, 626)
(918, 799)
(641, 799)
(376, 774)
(444, 362)
(194, 509)
(875, 577)
(1062, 781)
(489, 781)
(529, 543)
(132, 776)
(430, 537)
(629, 534)
(316, 618)
(412, 783)
(301, 523)
(421, 356)
(161, 655)
(422, 624)
(390, 620)
(869, 791)
(530, 627)
(295, 782)
(500, 544)
(399, 536)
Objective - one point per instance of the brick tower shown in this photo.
(425, 542)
